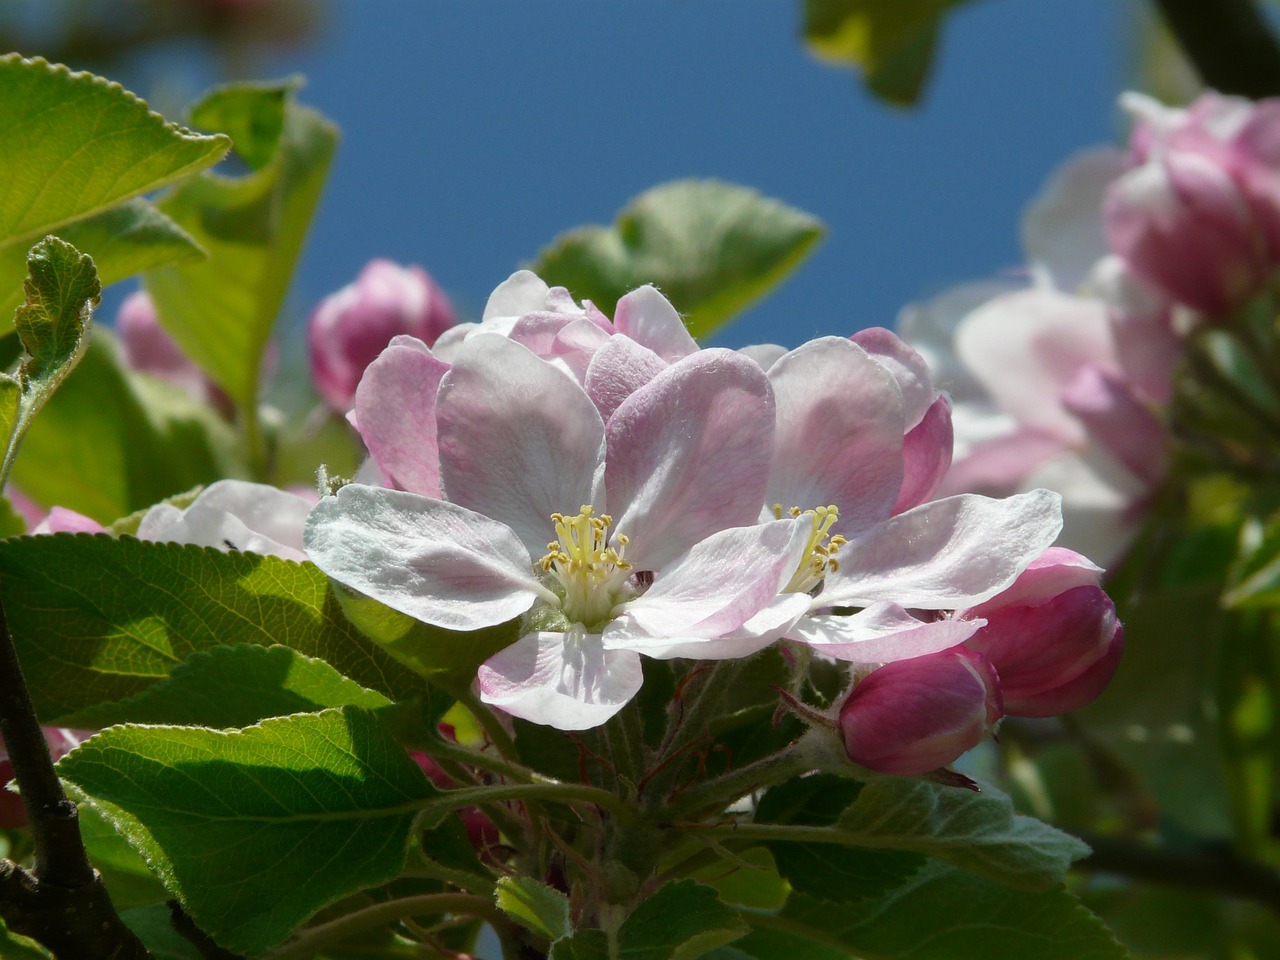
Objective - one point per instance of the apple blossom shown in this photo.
(351, 327)
(147, 347)
(234, 515)
(914, 716)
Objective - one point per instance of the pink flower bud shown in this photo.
(350, 328)
(62, 520)
(1053, 636)
(1182, 223)
(914, 716)
(148, 348)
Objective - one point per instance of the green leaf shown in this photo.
(711, 247)
(751, 880)
(76, 145)
(941, 913)
(122, 241)
(977, 831)
(129, 880)
(255, 830)
(447, 658)
(221, 310)
(97, 619)
(111, 442)
(535, 906)
(236, 686)
(11, 522)
(1255, 576)
(682, 921)
(14, 947)
(154, 926)
(583, 945)
(61, 291)
(891, 42)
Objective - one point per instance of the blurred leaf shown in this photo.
(711, 247)
(11, 522)
(255, 830)
(110, 443)
(76, 145)
(96, 619)
(221, 310)
(940, 913)
(154, 927)
(236, 686)
(14, 947)
(129, 880)
(535, 906)
(1254, 579)
(891, 42)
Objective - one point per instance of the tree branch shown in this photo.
(62, 903)
(1228, 42)
(1217, 870)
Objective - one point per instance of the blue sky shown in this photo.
(473, 133)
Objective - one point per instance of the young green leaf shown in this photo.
(891, 42)
(76, 145)
(711, 247)
(940, 913)
(221, 310)
(255, 830)
(110, 442)
(97, 619)
(535, 906)
(236, 686)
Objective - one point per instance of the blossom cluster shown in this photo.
(1064, 382)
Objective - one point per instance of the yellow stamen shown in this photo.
(591, 573)
(819, 554)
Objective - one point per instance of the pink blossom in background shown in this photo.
(351, 327)
(913, 716)
(148, 348)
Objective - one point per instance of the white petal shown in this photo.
(564, 680)
(438, 562)
(648, 318)
(522, 292)
(882, 633)
(947, 554)
(774, 621)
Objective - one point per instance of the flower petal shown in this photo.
(564, 680)
(519, 439)
(946, 554)
(905, 365)
(522, 292)
(435, 561)
(688, 455)
(617, 370)
(774, 621)
(395, 413)
(839, 434)
(882, 633)
(717, 585)
(564, 339)
(648, 318)
(926, 456)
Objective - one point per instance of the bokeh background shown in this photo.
(474, 133)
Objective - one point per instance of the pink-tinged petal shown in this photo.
(1025, 346)
(882, 633)
(648, 318)
(28, 509)
(839, 433)
(905, 365)
(567, 340)
(563, 680)
(617, 370)
(522, 292)
(435, 561)
(689, 454)
(926, 456)
(765, 354)
(771, 623)
(1062, 226)
(999, 466)
(396, 414)
(717, 586)
(1147, 346)
(519, 439)
(946, 554)
(1120, 422)
(1053, 572)
(62, 520)
(234, 515)
(1075, 693)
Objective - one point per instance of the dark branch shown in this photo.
(1212, 869)
(183, 923)
(1229, 42)
(62, 903)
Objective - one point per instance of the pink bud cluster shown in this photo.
(1050, 644)
(350, 328)
(1198, 214)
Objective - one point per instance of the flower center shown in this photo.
(820, 552)
(590, 576)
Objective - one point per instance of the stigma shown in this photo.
(820, 551)
(588, 572)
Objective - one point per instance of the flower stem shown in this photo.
(721, 791)
(558, 792)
